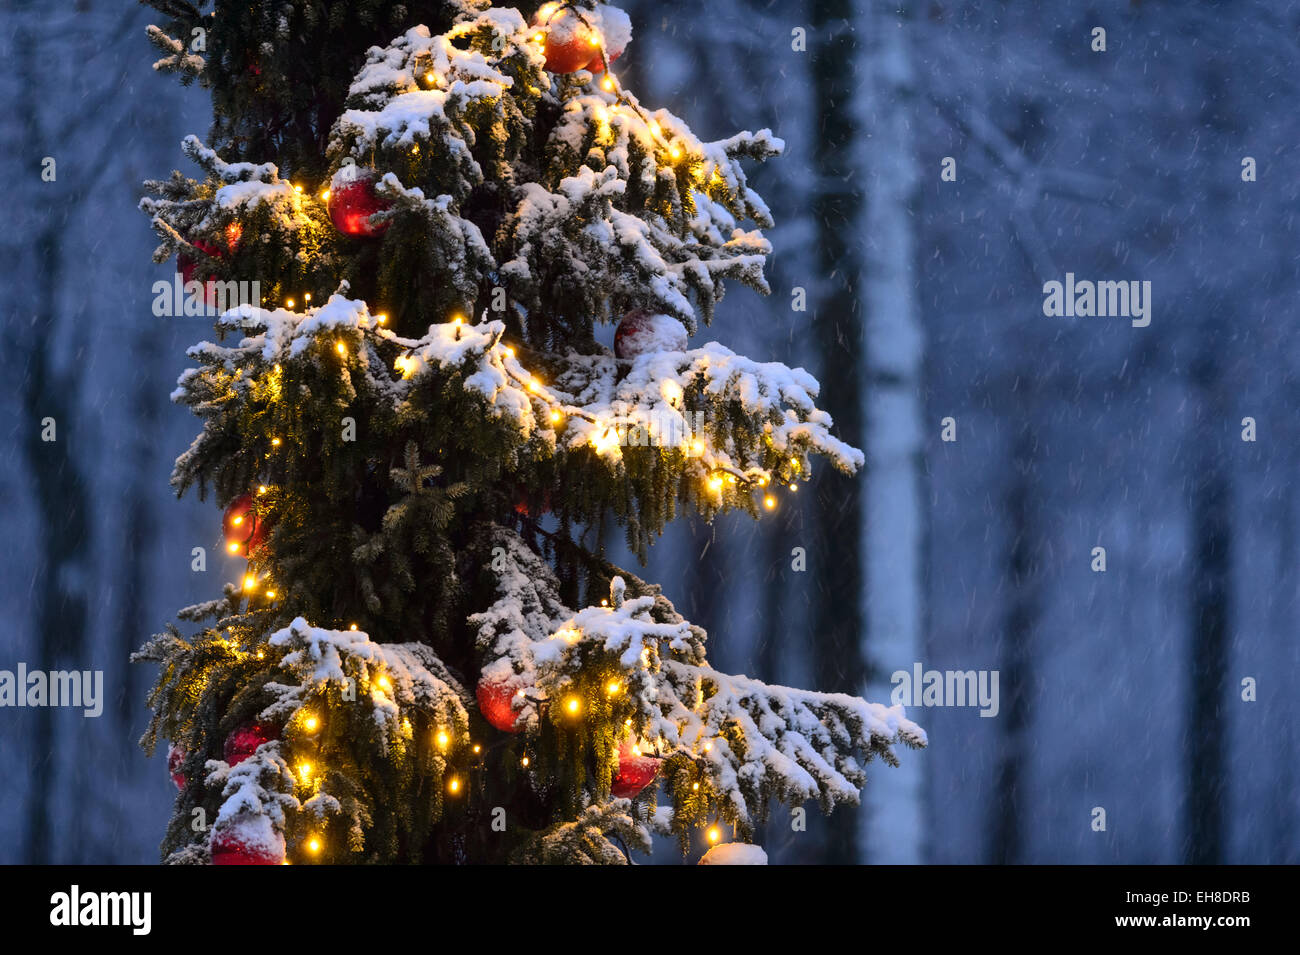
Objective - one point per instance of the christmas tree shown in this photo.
(419, 444)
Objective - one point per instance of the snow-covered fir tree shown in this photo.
(418, 441)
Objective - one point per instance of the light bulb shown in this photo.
(769, 502)
(275, 442)
(573, 704)
(313, 844)
(341, 348)
(478, 748)
(325, 195)
(454, 785)
(233, 547)
(304, 770)
(442, 739)
(261, 489)
(250, 582)
(310, 724)
(524, 761)
(714, 834)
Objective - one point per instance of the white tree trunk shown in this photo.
(894, 527)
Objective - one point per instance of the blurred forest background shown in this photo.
(1119, 690)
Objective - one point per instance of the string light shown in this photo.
(341, 348)
(270, 594)
(478, 748)
(613, 687)
(325, 195)
(715, 483)
(454, 785)
(385, 683)
(310, 724)
(306, 296)
(556, 417)
(297, 188)
(573, 704)
(250, 582)
(261, 489)
(714, 834)
(233, 547)
(769, 502)
(381, 318)
(313, 844)
(708, 746)
(607, 84)
(304, 770)
(275, 442)
(288, 302)
(524, 762)
(352, 626)
(442, 739)
(261, 654)
(695, 786)
(793, 488)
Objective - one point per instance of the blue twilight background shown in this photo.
(1119, 690)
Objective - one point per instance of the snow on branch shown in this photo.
(749, 740)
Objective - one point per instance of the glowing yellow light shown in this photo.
(304, 770)
(595, 40)
(415, 150)
(715, 483)
(628, 721)
(794, 463)
(454, 785)
(341, 348)
(275, 442)
(524, 761)
(695, 785)
(613, 687)
(313, 844)
(556, 417)
(261, 654)
(604, 603)
(769, 502)
(237, 520)
(600, 114)
(352, 626)
(381, 318)
(519, 692)
(297, 188)
(233, 547)
(325, 195)
(636, 749)
(261, 489)
(385, 683)
(310, 724)
(478, 748)
(675, 153)
(271, 594)
(510, 352)
(573, 704)
(708, 746)
(539, 37)
(405, 365)
(430, 78)
(288, 303)
(607, 84)
(714, 834)
(697, 447)
(250, 582)
(443, 739)
(794, 487)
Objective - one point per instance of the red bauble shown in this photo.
(247, 845)
(635, 772)
(175, 758)
(244, 740)
(243, 530)
(568, 41)
(643, 332)
(353, 201)
(522, 498)
(188, 264)
(495, 700)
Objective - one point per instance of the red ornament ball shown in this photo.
(175, 759)
(496, 702)
(243, 530)
(244, 740)
(616, 31)
(643, 332)
(635, 771)
(247, 845)
(353, 200)
(567, 41)
(188, 264)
